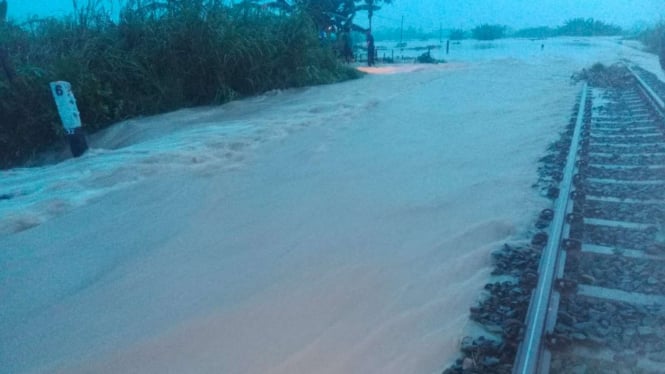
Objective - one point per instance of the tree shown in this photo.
(488, 32)
(587, 27)
(370, 6)
(457, 34)
(5, 63)
(324, 13)
(327, 13)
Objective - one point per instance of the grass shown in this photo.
(154, 57)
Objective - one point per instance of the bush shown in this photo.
(426, 58)
(457, 34)
(653, 38)
(587, 27)
(488, 32)
(154, 58)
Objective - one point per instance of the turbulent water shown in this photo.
(342, 228)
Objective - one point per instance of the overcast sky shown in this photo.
(517, 13)
(428, 14)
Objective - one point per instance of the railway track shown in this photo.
(599, 304)
(587, 294)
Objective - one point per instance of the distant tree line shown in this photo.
(408, 33)
(572, 27)
(158, 56)
(488, 32)
(457, 34)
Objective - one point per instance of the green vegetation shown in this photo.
(654, 40)
(326, 14)
(457, 34)
(3, 11)
(572, 27)
(157, 56)
(370, 6)
(337, 14)
(587, 27)
(488, 32)
(536, 32)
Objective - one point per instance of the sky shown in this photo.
(430, 14)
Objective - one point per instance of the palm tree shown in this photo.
(325, 13)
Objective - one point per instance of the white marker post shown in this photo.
(69, 114)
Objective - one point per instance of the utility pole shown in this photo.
(401, 31)
(440, 32)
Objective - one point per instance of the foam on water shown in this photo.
(206, 140)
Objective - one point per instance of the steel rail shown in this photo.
(648, 91)
(532, 347)
(543, 305)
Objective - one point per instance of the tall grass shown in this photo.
(157, 56)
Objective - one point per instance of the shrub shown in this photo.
(457, 34)
(488, 32)
(653, 38)
(587, 27)
(156, 57)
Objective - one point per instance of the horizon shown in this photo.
(517, 14)
(429, 15)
